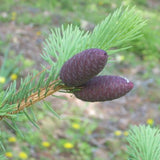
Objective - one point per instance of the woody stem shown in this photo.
(35, 97)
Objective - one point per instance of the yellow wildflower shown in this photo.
(13, 16)
(120, 58)
(68, 145)
(23, 155)
(12, 139)
(13, 76)
(46, 144)
(118, 133)
(75, 126)
(150, 121)
(38, 33)
(13, 13)
(125, 133)
(2, 79)
(9, 154)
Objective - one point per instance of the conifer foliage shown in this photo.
(62, 44)
(74, 72)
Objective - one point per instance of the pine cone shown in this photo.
(83, 66)
(104, 88)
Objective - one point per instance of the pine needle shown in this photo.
(144, 143)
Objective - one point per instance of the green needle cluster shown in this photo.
(144, 143)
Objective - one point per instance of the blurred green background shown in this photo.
(87, 131)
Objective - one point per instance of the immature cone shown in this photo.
(83, 66)
(104, 88)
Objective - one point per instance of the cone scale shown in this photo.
(104, 88)
(83, 66)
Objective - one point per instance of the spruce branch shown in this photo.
(32, 99)
(118, 28)
(63, 43)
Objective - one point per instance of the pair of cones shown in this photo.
(81, 70)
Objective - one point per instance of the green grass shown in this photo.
(6, 5)
(28, 18)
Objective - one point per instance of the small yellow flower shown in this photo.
(125, 133)
(46, 144)
(120, 58)
(118, 133)
(13, 76)
(23, 155)
(75, 126)
(12, 139)
(9, 154)
(2, 79)
(38, 33)
(150, 121)
(13, 16)
(68, 145)
(13, 13)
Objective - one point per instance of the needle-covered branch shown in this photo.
(63, 43)
(33, 98)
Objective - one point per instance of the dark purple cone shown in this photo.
(83, 66)
(104, 88)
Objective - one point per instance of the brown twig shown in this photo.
(36, 97)
(39, 73)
